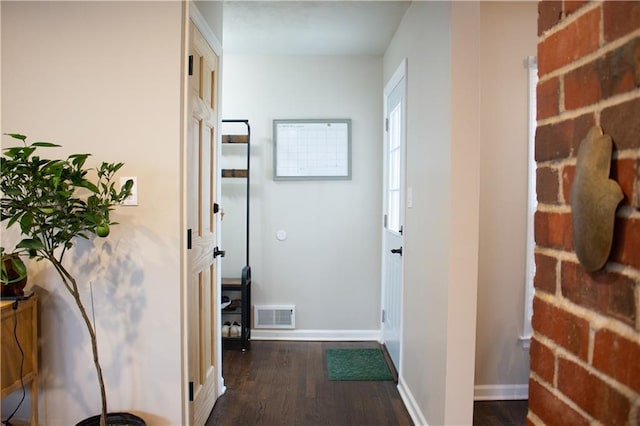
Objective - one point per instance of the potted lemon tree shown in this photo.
(54, 202)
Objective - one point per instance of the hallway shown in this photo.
(285, 383)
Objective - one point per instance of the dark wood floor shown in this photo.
(500, 413)
(285, 383)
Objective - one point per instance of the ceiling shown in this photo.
(310, 27)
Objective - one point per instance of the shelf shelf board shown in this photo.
(235, 173)
(231, 139)
(232, 282)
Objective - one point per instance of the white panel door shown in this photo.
(392, 234)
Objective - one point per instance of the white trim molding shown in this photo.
(316, 335)
(532, 202)
(500, 392)
(221, 386)
(525, 342)
(202, 25)
(411, 404)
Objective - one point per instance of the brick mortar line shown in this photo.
(568, 20)
(628, 271)
(625, 212)
(559, 167)
(601, 26)
(562, 397)
(634, 413)
(558, 254)
(559, 351)
(561, 96)
(553, 208)
(560, 162)
(595, 319)
(593, 108)
(627, 154)
(628, 212)
(590, 57)
(569, 256)
(533, 418)
(558, 284)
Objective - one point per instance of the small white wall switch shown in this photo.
(131, 200)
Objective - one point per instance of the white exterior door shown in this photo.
(393, 213)
(202, 273)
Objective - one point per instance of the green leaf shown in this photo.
(78, 160)
(30, 244)
(45, 144)
(18, 266)
(12, 191)
(89, 185)
(17, 136)
(54, 201)
(13, 220)
(25, 223)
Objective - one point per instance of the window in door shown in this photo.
(394, 155)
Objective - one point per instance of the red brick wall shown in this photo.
(585, 352)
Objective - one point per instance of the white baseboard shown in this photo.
(500, 392)
(411, 404)
(317, 335)
(221, 387)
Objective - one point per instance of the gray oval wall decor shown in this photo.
(594, 199)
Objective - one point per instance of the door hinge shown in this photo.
(190, 391)
(401, 229)
(190, 64)
(386, 124)
(216, 208)
(188, 239)
(384, 316)
(386, 220)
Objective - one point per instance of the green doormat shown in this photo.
(357, 364)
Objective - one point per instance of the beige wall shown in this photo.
(423, 38)
(465, 194)
(507, 37)
(441, 230)
(327, 266)
(105, 78)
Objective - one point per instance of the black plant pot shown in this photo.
(119, 419)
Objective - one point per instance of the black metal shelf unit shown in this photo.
(234, 287)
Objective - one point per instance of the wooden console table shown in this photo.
(26, 315)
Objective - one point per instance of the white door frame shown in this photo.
(400, 75)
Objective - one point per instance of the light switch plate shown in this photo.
(131, 200)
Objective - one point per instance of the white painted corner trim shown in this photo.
(398, 75)
(525, 342)
(411, 404)
(202, 26)
(316, 335)
(500, 392)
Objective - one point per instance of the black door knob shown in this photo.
(397, 251)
